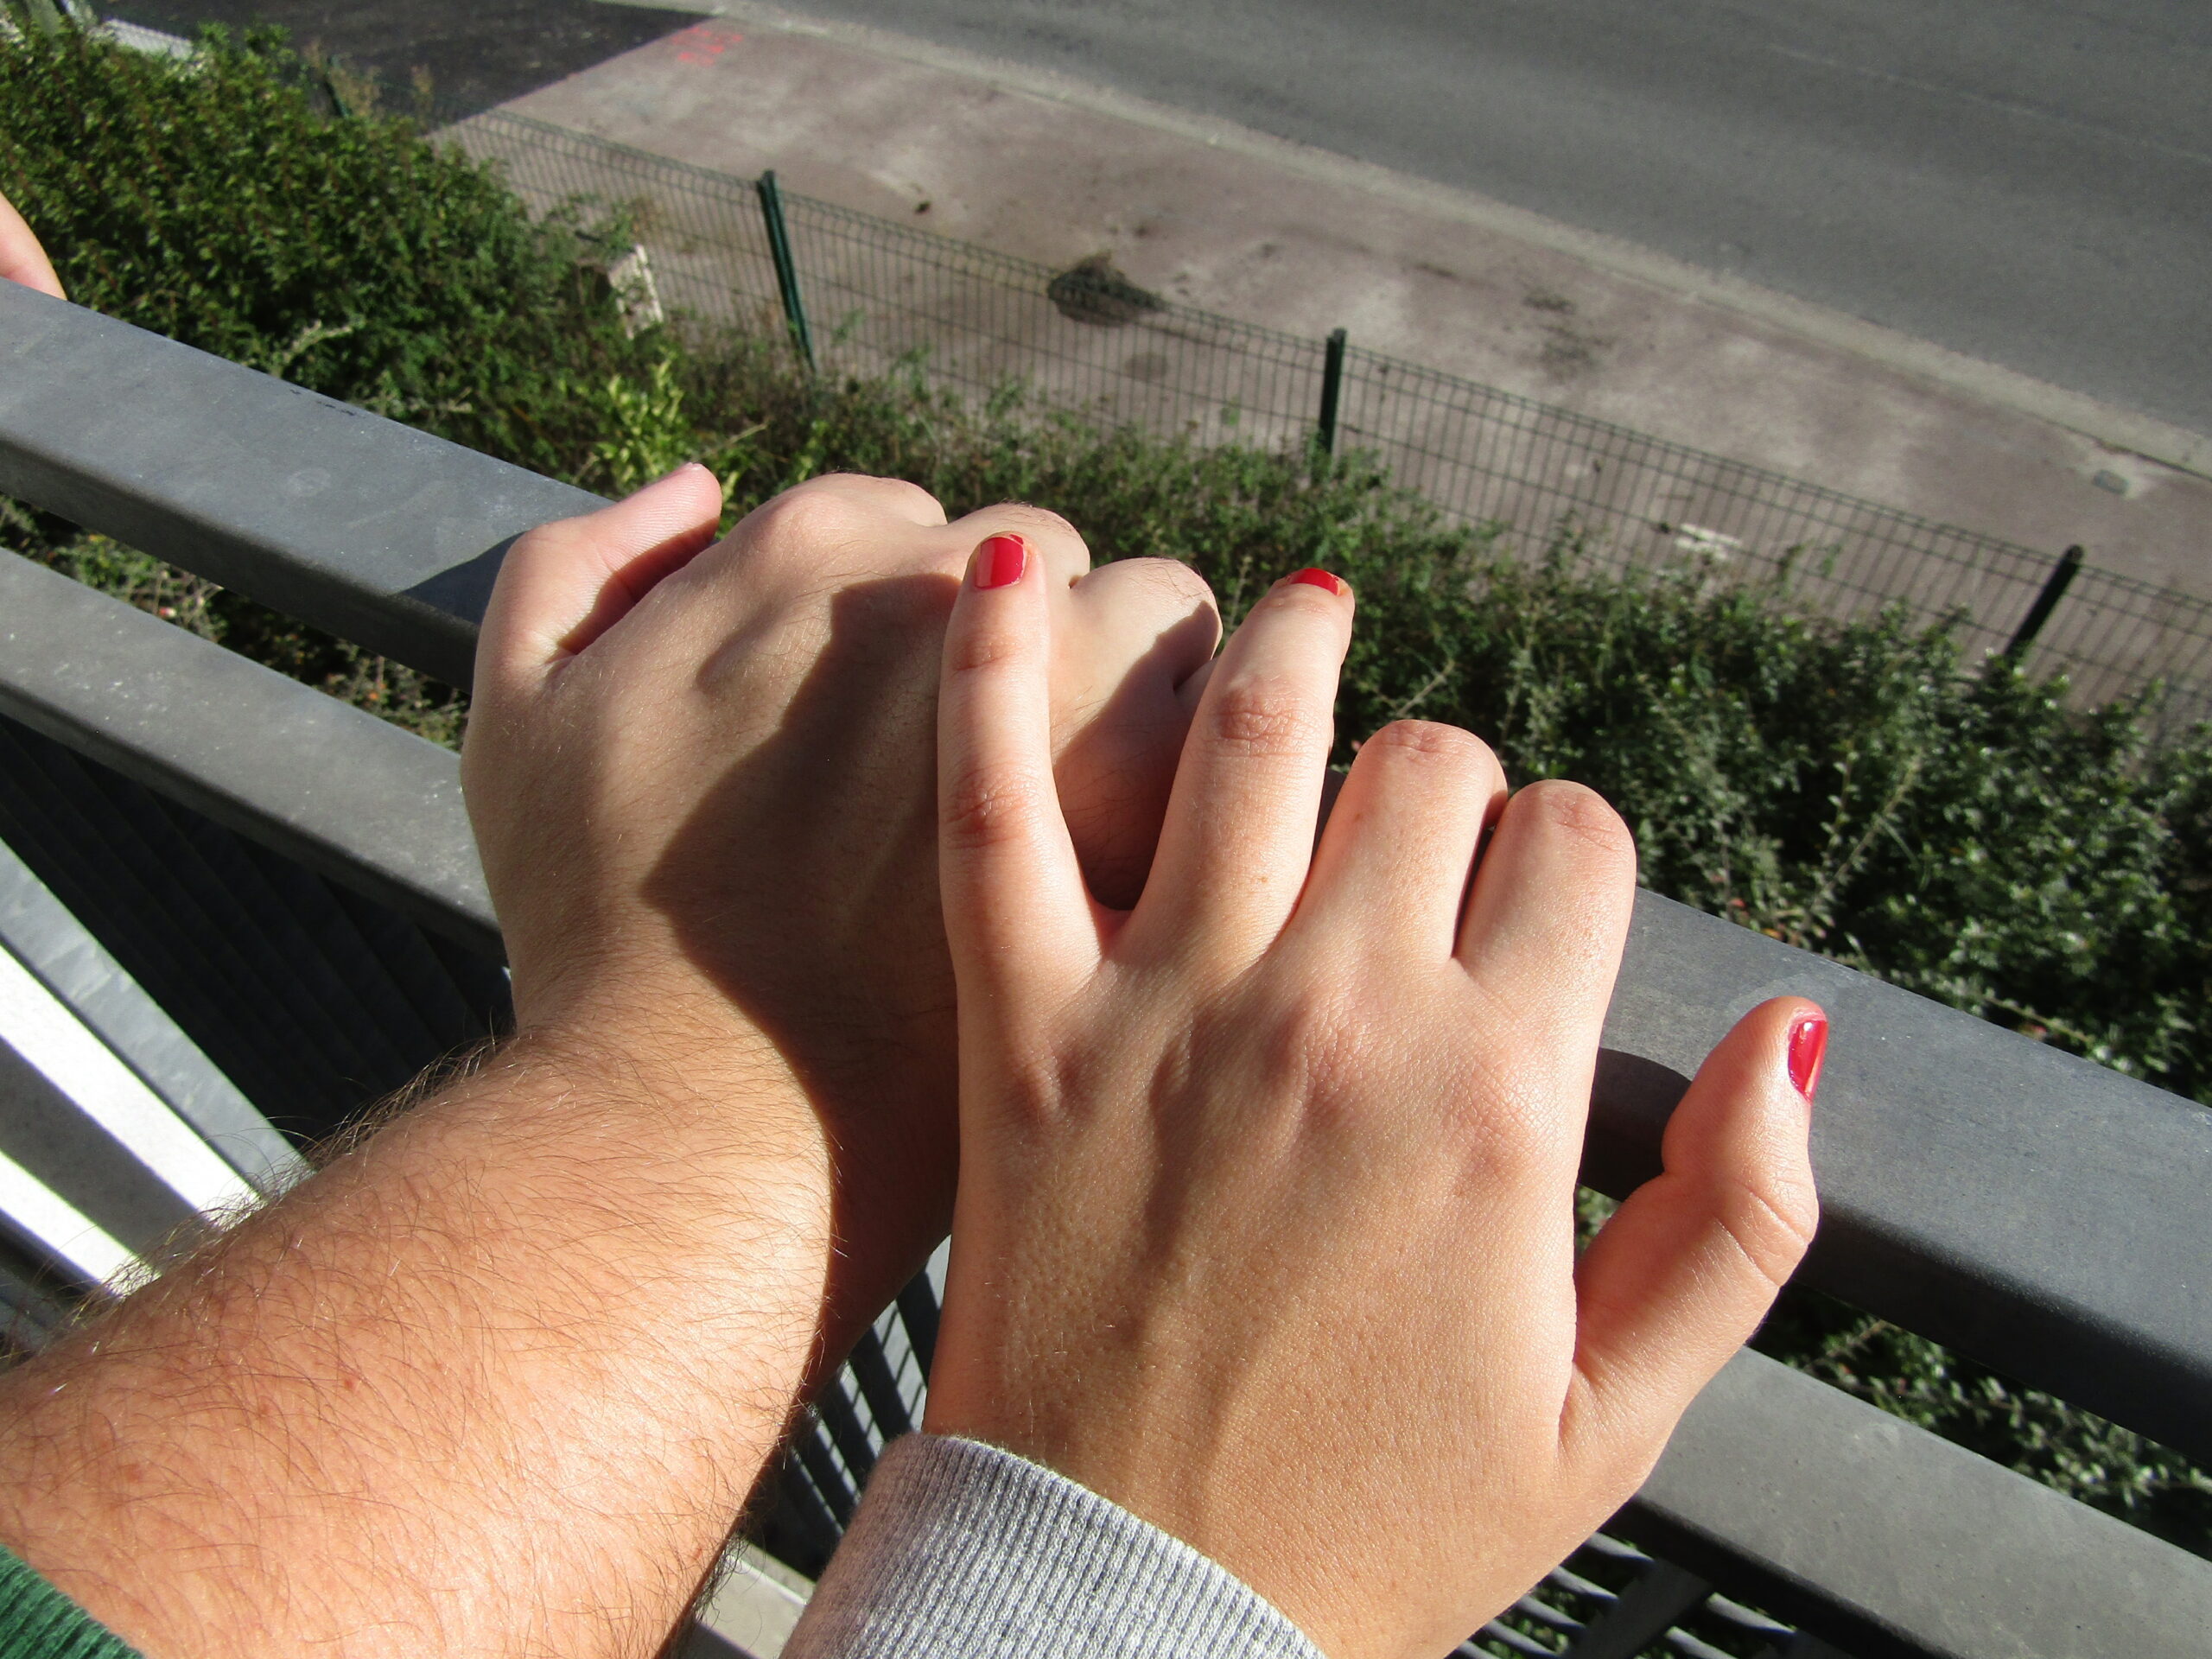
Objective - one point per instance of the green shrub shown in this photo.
(1850, 787)
(214, 201)
(223, 202)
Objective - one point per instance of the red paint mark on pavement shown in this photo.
(704, 42)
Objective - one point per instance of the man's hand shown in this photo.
(702, 786)
(1266, 1224)
(498, 1382)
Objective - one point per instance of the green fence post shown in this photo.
(1332, 388)
(2061, 578)
(780, 249)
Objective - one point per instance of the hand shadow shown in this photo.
(804, 886)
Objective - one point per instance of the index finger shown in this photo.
(1016, 916)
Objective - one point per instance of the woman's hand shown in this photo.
(1265, 1224)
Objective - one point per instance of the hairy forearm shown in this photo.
(497, 1381)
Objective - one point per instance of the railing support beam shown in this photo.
(1332, 391)
(779, 252)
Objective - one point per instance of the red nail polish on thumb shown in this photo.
(1808, 1047)
(999, 560)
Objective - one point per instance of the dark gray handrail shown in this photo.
(2032, 1209)
(1889, 1542)
(348, 796)
(379, 533)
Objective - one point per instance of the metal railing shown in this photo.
(868, 293)
(2029, 1209)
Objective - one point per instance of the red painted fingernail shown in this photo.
(1335, 584)
(1808, 1046)
(999, 560)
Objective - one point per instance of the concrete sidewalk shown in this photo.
(1256, 228)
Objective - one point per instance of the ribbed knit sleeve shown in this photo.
(38, 1622)
(962, 1551)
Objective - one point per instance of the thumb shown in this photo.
(563, 584)
(1681, 1275)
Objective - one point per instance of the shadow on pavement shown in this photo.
(476, 55)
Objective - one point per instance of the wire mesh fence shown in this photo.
(879, 292)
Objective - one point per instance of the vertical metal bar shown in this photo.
(834, 1407)
(809, 1533)
(822, 1470)
(780, 249)
(1640, 1615)
(2061, 578)
(1332, 387)
(879, 1388)
(1806, 1645)
(917, 1312)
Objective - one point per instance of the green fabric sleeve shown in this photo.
(38, 1622)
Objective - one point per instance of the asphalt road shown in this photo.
(2028, 182)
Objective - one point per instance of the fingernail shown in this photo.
(1335, 584)
(1808, 1046)
(999, 560)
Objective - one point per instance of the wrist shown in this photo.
(665, 1046)
(863, 1143)
(574, 1292)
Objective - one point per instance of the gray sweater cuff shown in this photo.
(962, 1551)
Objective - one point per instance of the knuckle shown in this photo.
(809, 513)
(1429, 743)
(1043, 521)
(1264, 717)
(867, 493)
(987, 806)
(910, 494)
(1770, 1221)
(1508, 1127)
(1582, 814)
(551, 540)
(967, 651)
(1323, 1049)
(1050, 536)
(1170, 579)
(1154, 587)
